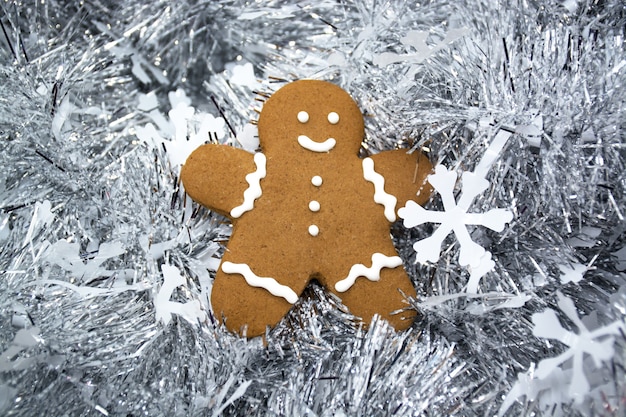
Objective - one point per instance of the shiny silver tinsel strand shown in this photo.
(95, 227)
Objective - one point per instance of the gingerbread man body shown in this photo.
(307, 208)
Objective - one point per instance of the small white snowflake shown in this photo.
(540, 390)
(416, 41)
(455, 217)
(243, 75)
(191, 311)
(12, 358)
(84, 266)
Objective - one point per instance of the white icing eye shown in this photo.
(303, 117)
(333, 118)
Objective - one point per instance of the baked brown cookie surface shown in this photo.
(307, 207)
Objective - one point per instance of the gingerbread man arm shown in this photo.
(215, 176)
(405, 175)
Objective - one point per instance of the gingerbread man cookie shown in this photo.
(307, 208)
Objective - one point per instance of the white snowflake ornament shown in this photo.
(182, 130)
(597, 343)
(541, 390)
(455, 218)
(192, 311)
(558, 380)
(243, 75)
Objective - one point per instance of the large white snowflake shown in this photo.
(540, 382)
(455, 218)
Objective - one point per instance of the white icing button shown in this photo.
(303, 117)
(314, 230)
(314, 206)
(333, 118)
(316, 180)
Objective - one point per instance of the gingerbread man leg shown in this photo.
(378, 285)
(383, 297)
(248, 300)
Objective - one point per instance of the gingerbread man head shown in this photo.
(312, 115)
(307, 208)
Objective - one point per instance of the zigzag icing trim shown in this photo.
(254, 189)
(270, 284)
(379, 261)
(380, 196)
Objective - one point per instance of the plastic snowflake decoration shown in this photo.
(182, 131)
(85, 267)
(191, 311)
(540, 390)
(418, 42)
(597, 343)
(12, 358)
(551, 381)
(456, 218)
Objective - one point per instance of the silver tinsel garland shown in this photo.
(106, 266)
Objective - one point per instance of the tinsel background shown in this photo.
(106, 266)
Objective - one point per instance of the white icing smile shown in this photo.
(311, 145)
